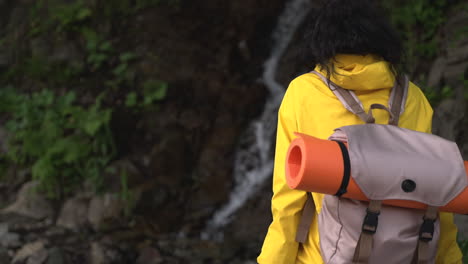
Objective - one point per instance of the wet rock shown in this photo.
(4, 256)
(256, 214)
(29, 202)
(215, 168)
(454, 73)
(38, 257)
(74, 214)
(3, 135)
(29, 250)
(4, 60)
(66, 52)
(447, 121)
(30, 237)
(149, 255)
(117, 170)
(97, 254)
(167, 160)
(436, 72)
(7, 239)
(28, 225)
(40, 48)
(10, 240)
(104, 254)
(56, 256)
(104, 210)
(55, 231)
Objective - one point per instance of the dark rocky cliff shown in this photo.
(179, 157)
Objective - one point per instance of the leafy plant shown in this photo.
(436, 96)
(126, 195)
(69, 15)
(65, 144)
(153, 91)
(98, 50)
(419, 21)
(122, 73)
(57, 15)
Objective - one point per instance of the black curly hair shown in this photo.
(351, 27)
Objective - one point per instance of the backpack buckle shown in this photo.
(370, 222)
(427, 230)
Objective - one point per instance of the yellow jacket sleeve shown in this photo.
(279, 246)
(448, 252)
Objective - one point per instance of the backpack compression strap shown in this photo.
(426, 233)
(369, 227)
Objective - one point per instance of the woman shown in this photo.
(353, 44)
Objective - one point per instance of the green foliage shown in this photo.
(436, 96)
(100, 53)
(42, 72)
(122, 73)
(68, 16)
(98, 50)
(126, 195)
(463, 244)
(79, 19)
(419, 21)
(65, 144)
(153, 91)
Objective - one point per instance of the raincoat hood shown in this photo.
(361, 72)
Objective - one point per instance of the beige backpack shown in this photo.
(424, 168)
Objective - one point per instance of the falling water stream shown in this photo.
(254, 161)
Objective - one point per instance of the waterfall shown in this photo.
(253, 161)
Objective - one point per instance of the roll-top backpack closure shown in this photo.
(390, 162)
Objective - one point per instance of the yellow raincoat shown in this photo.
(309, 107)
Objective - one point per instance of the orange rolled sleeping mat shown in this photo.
(317, 165)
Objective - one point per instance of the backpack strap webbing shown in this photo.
(426, 233)
(306, 219)
(369, 227)
(351, 102)
(397, 99)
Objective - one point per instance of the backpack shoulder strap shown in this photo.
(348, 98)
(352, 103)
(398, 97)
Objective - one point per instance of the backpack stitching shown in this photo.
(341, 229)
